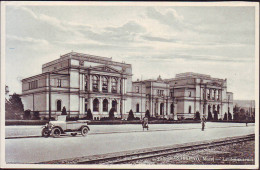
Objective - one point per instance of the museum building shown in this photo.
(80, 82)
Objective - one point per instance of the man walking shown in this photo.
(203, 121)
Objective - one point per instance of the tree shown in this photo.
(89, 115)
(147, 114)
(197, 115)
(14, 107)
(131, 115)
(27, 114)
(225, 116)
(215, 115)
(209, 116)
(111, 114)
(242, 114)
(64, 112)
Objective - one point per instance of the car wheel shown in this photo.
(56, 132)
(45, 133)
(84, 131)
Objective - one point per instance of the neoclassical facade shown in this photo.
(193, 92)
(80, 82)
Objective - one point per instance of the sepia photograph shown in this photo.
(137, 85)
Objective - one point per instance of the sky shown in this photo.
(156, 40)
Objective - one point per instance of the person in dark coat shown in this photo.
(203, 121)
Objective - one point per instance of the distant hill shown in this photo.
(244, 103)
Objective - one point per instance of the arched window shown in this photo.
(218, 109)
(172, 108)
(59, 105)
(95, 83)
(161, 108)
(114, 105)
(96, 105)
(114, 85)
(189, 109)
(105, 105)
(209, 108)
(104, 84)
(214, 108)
(137, 108)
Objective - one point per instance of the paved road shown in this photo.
(21, 131)
(33, 150)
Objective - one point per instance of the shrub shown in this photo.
(147, 114)
(209, 116)
(215, 115)
(111, 114)
(137, 118)
(36, 115)
(27, 114)
(131, 115)
(225, 116)
(64, 112)
(89, 115)
(197, 116)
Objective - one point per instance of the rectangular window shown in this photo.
(172, 93)
(137, 89)
(33, 84)
(160, 92)
(59, 82)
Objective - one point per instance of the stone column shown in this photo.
(123, 86)
(90, 104)
(83, 82)
(219, 93)
(118, 86)
(158, 107)
(123, 107)
(90, 87)
(109, 85)
(109, 104)
(100, 84)
(118, 106)
(101, 105)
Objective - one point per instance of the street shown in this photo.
(112, 138)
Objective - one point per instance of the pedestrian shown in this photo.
(203, 123)
(145, 123)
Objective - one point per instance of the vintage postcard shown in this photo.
(159, 85)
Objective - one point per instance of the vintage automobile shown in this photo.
(61, 126)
